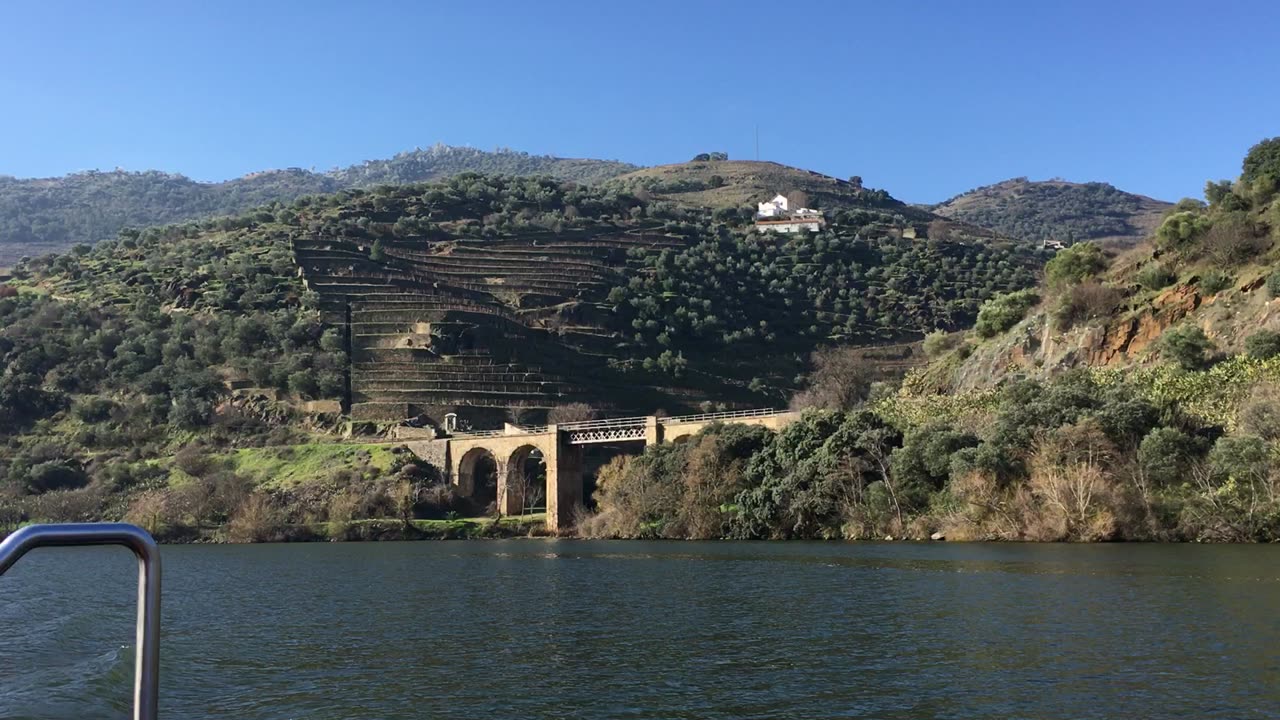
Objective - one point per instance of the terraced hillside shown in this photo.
(486, 293)
(465, 323)
(482, 295)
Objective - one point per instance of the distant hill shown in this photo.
(1058, 210)
(38, 216)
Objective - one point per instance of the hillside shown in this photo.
(47, 215)
(593, 294)
(495, 297)
(1068, 212)
(1127, 397)
(1211, 267)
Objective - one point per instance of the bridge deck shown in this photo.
(627, 428)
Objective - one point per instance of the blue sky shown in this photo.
(925, 99)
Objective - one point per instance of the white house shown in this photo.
(778, 216)
(777, 207)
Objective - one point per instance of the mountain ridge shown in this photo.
(41, 215)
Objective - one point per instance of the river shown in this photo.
(587, 629)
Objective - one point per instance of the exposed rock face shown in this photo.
(1035, 346)
(1124, 339)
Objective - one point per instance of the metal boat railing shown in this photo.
(146, 672)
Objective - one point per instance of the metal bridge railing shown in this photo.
(146, 672)
(727, 415)
(627, 422)
(518, 430)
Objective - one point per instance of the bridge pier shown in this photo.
(510, 498)
(564, 481)
(652, 431)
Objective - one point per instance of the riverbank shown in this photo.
(384, 529)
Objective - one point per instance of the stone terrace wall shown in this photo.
(435, 326)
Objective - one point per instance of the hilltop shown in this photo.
(38, 216)
(1067, 212)
(740, 184)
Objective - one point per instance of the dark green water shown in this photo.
(574, 629)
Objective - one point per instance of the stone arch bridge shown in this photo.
(469, 459)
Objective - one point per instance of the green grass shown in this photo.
(292, 465)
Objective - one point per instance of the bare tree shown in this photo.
(840, 380)
(405, 494)
(1233, 240)
(573, 412)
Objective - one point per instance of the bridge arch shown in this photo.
(526, 480)
(478, 476)
(682, 438)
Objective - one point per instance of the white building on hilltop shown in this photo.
(776, 215)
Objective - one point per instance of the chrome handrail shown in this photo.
(146, 672)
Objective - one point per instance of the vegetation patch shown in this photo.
(286, 466)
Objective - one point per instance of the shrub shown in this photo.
(1162, 456)
(1263, 344)
(256, 520)
(1075, 264)
(153, 511)
(1180, 229)
(1261, 167)
(1273, 284)
(50, 476)
(1070, 476)
(193, 461)
(1003, 312)
(83, 505)
(1155, 276)
(1233, 239)
(940, 342)
(94, 409)
(1086, 301)
(1260, 414)
(1215, 281)
(1187, 346)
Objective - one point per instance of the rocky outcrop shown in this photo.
(1035, 347)
(1124, 339)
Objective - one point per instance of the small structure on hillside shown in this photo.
(777, 215)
